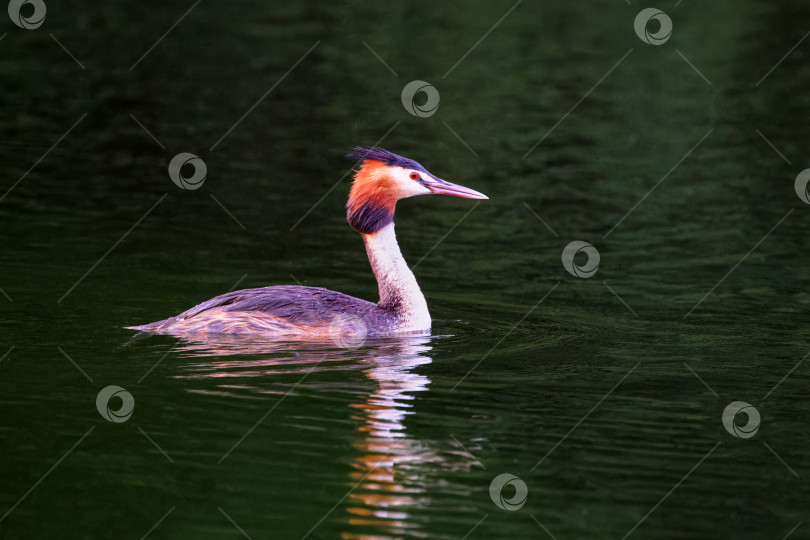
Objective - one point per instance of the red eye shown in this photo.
(414, 176)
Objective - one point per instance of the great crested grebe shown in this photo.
(287, 310)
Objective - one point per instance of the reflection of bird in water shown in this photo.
(384, 475)
(390, 476)
(393, 474)
(311, 312)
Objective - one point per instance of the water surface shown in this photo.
(603, 395)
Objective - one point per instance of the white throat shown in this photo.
(399, 292)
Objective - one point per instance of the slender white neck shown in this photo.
(399, 292)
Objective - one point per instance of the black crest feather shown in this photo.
(383, 155)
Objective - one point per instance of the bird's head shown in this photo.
(384, 178)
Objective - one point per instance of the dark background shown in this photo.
(620, 379)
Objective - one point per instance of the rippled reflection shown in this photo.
(389, 476)
(387, 471)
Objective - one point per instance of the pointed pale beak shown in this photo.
(440, 187)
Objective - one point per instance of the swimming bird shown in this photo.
(382, 179)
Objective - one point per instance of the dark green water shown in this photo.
(603, 395)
